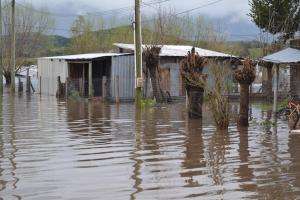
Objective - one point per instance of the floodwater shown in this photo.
(80, 150)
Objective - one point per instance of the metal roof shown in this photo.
(88, 56)
(286, 56)
(178, 50)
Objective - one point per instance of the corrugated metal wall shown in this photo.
(49, 70)
(174, 66)
(123, 67)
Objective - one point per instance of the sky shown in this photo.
(234, 11)
(221, 8)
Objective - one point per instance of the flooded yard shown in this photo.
(81, 150)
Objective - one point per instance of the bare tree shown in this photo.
(32, 26)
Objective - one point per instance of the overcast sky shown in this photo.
(235, 11)
(224, 7)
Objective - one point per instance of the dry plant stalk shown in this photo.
(245, 77)
(217, 93)
(151, 57)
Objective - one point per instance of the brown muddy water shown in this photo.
(79, 150)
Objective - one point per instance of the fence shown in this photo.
(111, 88)
(29, 84)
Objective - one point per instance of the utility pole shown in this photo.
(1, 52)
(13, 48)
(138, 53)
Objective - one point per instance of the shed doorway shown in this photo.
(79, 77)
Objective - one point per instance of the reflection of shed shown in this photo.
(86, 73)
(291, 57)
(170, 58)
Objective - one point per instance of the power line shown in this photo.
(199, 7)
(143, 21)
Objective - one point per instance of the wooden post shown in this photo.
(117, 83)
(67, 87)
(83, 80)
(276, 88)
(27, 81)
(40, 85)
(138, 52)
(104, 87)
(90, 80)
(13, 48)
(1, 52)
(31, 86)
(80, 87)
(58, 92)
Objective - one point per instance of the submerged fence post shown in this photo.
(27, 81)
(58, 92)
(104, 87)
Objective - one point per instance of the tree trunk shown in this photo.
(267, 85)
(195, 101)
(244, 106)
(157, 92)
(7, 79)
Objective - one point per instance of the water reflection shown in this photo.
(89, 150)
(294, 150)
(194, 160)
(244, 171)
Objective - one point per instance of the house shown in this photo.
(290, 57)
(170, 58)
(111, 75)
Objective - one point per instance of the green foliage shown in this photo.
(276, 16)
(265, 124)
(146, 103)
(74, 95)
(283, 104)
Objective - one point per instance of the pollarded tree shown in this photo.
(191, 68)
(151, 58)
(245, 77)
(276, 17)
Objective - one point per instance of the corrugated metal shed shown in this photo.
(121, 77)
(178, 50)
(286, 56)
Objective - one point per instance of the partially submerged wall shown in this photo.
(48, 71)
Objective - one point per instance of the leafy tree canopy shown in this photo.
(276, 16)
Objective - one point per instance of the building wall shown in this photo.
(124, 85)
(295, 81)
(173, 63)
(48, 71)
